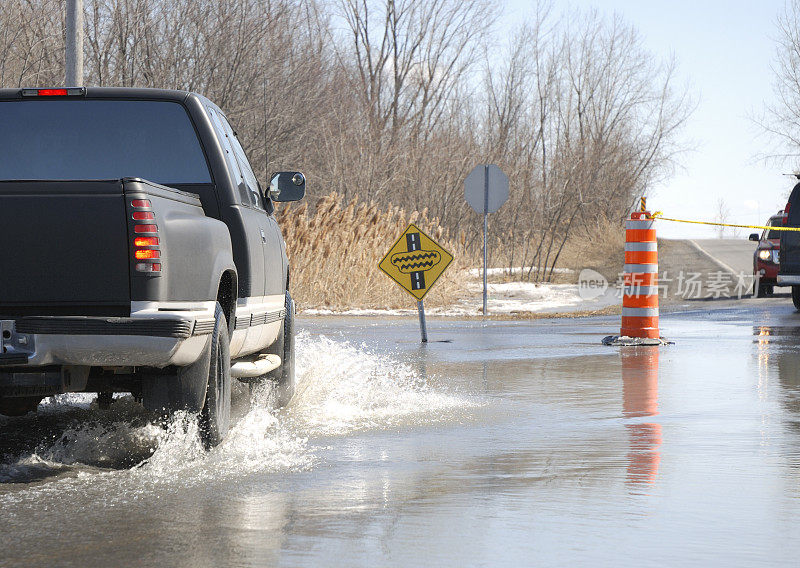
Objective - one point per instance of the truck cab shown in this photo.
(140, 253)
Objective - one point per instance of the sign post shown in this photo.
(423, 329)
(73, 55)
(416, 262)
(486, 189)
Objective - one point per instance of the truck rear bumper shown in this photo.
(156, 335)
(789, 279)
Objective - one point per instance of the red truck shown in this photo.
(766, 258)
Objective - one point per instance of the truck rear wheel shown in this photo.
(203, 387)
(215, 417)
(796, 297)
(284, 375)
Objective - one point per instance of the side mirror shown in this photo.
(754, 237)
(287, 186)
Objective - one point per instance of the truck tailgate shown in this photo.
(63, 248)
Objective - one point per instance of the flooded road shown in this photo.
(499, 443)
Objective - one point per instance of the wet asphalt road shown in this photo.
(498, 444)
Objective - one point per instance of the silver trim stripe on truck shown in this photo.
(203, 327)
(262, 318)
(155, 327)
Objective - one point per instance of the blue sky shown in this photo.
(725, 52)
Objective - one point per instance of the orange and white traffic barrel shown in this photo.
(640, 279)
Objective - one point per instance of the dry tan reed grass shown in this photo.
(600, 247)
(335, 249)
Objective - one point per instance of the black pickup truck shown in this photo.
(138, 253)
(789, 255)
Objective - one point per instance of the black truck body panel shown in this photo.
(790, 240)
(65, 244)
(190, 244)
(69, 246)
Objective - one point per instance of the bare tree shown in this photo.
(782, 118)
(585, 119)
(723, 216)
(405, 60)
(396, 100)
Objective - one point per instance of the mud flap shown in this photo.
(184, 389)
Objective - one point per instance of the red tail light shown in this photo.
(145, 254)
(151, 253)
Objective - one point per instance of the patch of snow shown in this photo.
(511, 297)
(503, 299)
(478, 272)
(358, 312)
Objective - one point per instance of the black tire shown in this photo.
(284, 376)
(796, 297)
(764, 290)
(215, 418)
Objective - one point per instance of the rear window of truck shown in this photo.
(100, 139)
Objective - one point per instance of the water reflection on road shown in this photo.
(640, 399)
(515, 443)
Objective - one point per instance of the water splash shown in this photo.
(346, 388)
(341, 388)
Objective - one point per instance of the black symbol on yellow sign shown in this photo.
(415, 262)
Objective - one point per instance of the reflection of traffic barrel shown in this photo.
(640, 398)
(640, 280)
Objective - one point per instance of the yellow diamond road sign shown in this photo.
(415, 262)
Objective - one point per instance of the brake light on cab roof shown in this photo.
(69, 92)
